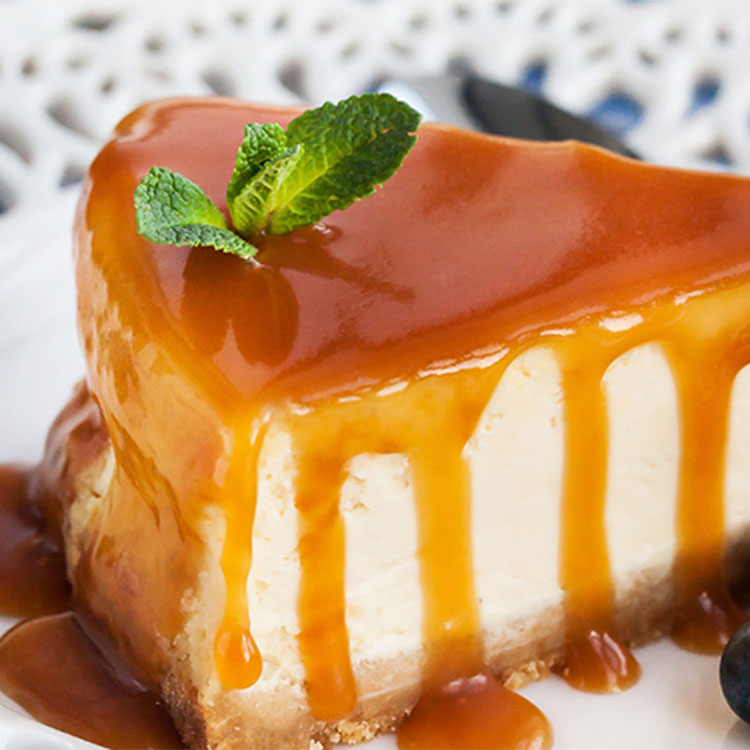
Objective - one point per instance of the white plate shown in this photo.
(66, 77)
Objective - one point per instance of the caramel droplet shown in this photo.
(239, 661)
(597, 663)
(705, 623)
(477, 713)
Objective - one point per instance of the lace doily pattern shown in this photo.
(670, 76)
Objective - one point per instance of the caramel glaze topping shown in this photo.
(386, 328)
(477, 249)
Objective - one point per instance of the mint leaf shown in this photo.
(173, 210)
(349, 149)
(263, 141)
(255, 202)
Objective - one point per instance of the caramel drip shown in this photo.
(324, 444)
(324, 641)
(238, 659)
(325, 441)
(461, 704)
(705, 616)
(442, 495)
(594, 661)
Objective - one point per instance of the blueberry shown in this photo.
(734, 672)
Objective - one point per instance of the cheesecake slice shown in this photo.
(492, 419)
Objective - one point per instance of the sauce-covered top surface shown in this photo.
(474, 241)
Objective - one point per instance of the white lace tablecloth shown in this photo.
(672, 77)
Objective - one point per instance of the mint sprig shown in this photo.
(326, 159)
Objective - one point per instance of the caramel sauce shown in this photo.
(706, 617)
(64, 674)
(414, 423)
(387, 328)
(324, 641)
(238, 658)
(594, 660)
(475, 714)
(52, 668)
(32, 564)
